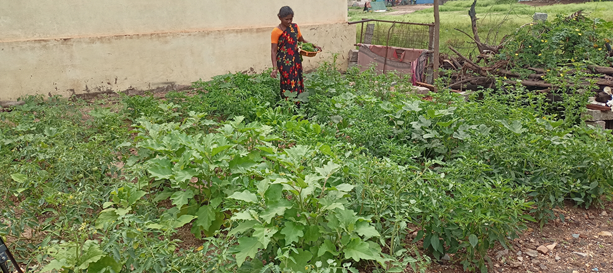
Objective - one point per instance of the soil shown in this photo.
(406, 9)
(581, 243)
(538, 3)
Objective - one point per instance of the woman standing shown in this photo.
(284, 53)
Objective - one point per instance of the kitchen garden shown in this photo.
(230, 178)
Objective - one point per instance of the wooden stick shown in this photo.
(423, 84)
(601, 69)
(475, 66)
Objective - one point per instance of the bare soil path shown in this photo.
(583, 242)
(406, 9)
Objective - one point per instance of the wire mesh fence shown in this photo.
(397, 34)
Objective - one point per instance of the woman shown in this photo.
(284, 53)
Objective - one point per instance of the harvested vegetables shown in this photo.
(308, 47)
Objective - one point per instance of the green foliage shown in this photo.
(308, 47)
(336, 185)
(560, 41)
(237, 94)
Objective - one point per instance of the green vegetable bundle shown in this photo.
(308, 47)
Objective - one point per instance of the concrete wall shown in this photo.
(73, 47)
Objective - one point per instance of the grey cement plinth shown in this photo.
(601, 123)
(597, 115)
(539, 16)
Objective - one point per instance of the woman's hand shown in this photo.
(273, 74)
(318, 48)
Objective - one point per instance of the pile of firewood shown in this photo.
(482, 72)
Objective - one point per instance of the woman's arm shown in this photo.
(273, 57)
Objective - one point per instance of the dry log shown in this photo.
(603, 82)
(507, 73)
(537, 70)
(530, 83)
(598, 107)
(474, 83)
(601, 69)
(483, 48)
(469, 62)
(429, 86)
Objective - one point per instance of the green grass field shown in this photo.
(496, 18)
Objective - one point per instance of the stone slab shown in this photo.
(353, 55)
(601, 123)
(539, 16)
(596, 115)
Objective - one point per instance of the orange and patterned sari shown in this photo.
(289, 61)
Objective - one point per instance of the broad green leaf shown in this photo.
(347, 219)
(357, 250)
(312, 234)
(275, 209)
(336, 118)
(105, 263)
(106, 217)
(298, 153)
(21, 178)
(292, 232)
(446, 124)
(220, 149)
(264, 234)
(514, 127)
(412, 106)
(160, 168)
(245, 196)
(325, 149)
(593, 185)
(55, 265)
(328, 169)
(247, 247)
(163, 195)
(244, 215)
(206, 216)
(344, 187)
(300, 260)
(473, 240)
(462, 135)
(242, 227)
(185, 175)
(263, 186)
(436, 243)
(330, 204)
(241, 164)
(270, 150)
(91, 253)
(214, 203)
(364, 229)
(313, 180)
(122, 212)
(327, 246)
(274, 193)
(134, 195)
(183, 220)
(181, 198)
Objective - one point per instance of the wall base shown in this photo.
(148, 61)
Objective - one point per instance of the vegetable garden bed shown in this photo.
(339, 185)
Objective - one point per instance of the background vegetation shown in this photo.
(497, 19)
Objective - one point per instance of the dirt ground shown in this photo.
(538, 3)
(583, 242)
(406, 9)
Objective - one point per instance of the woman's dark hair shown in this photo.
(285, 11)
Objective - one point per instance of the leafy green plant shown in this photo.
(300, 217)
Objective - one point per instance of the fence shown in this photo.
(397, 34)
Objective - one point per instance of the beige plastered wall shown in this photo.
(74, 47)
